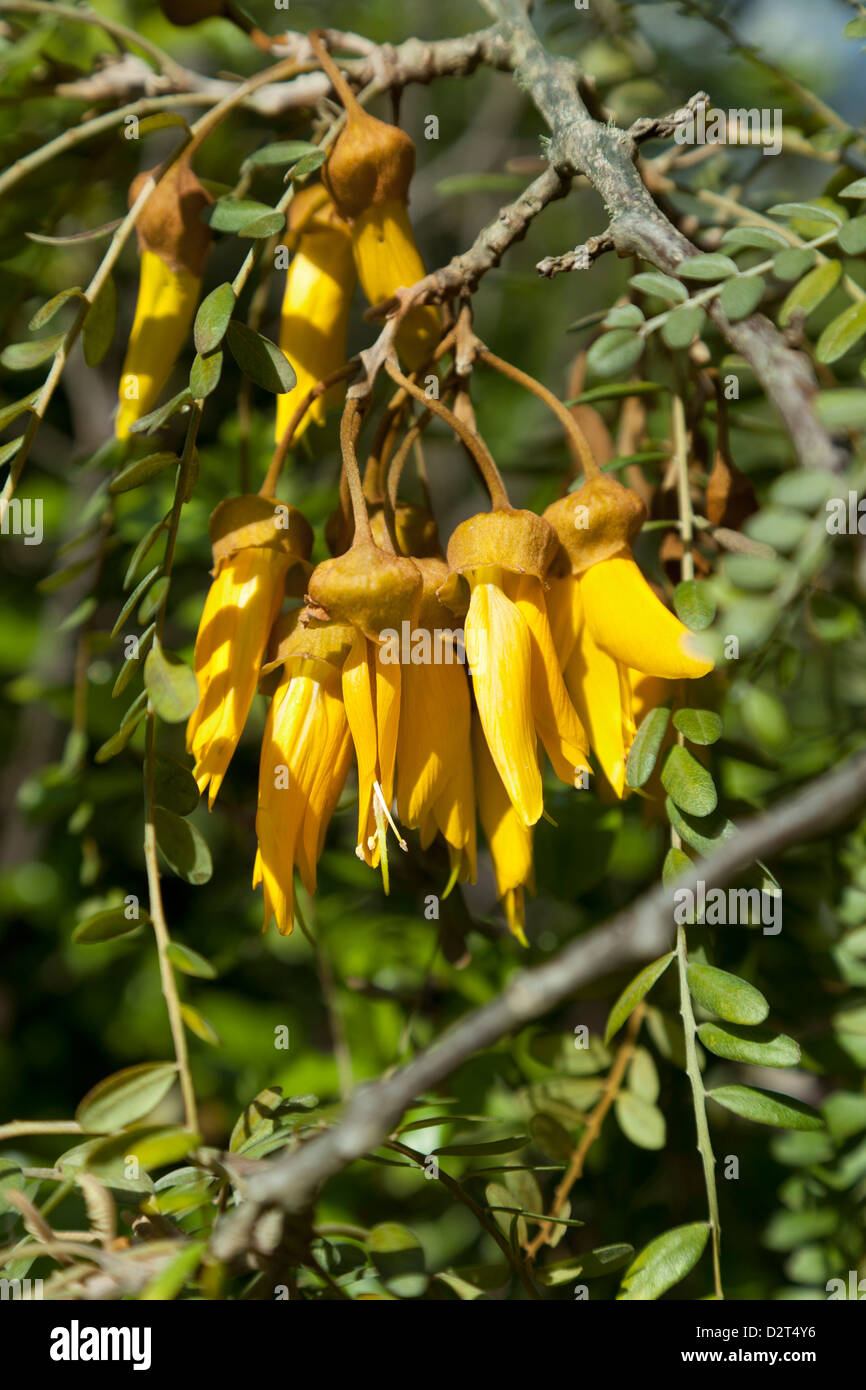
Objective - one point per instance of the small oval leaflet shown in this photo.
(212, 318)
(737, 1044)
(125, 1097)
(171, 685)
(707, 266)
(767, 1107)
(199, 1025)
(694, 604)
(260, 359)
(108, 925)
(634, 993)
(640, 1121)
(741, 297)
(614, 352)
(701, 726)
(688, 783)
(657, 283)
(726, 994)
(141, 471)
(645, 748)
(664, 1262)
(843, 333)
(683, 324)
(189, 962)
(811, 291)
(182, 847)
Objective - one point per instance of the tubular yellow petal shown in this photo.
(499, 648)
(388, 690)
(509, 839)
(434, 765)
(387, 259)
(632, 625)
(331, 759)
(565, 614)
(286, 771)
(167, 301)
(561, 731)
(239, 611)
(358, 698)
(595, 683)
(314, 320)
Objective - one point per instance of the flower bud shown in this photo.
(601, 519)
(367, 588)
(518, 541)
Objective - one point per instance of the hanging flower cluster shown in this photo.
(447, 678)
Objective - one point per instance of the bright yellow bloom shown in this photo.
(167, 301)
(371, 693)
(435, 790)
(387, 259)
(617, 642)
(510, 840)
(516, 676)
(256, 540)
(318, 296)
(173, 244)
(306, 752)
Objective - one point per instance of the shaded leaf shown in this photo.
(260, 359)
(767, 1107)
(688, 783)
(646, 746)
(634, 993)
(726, 994)
(126, 1096)
(664, 1262)
(182, 847)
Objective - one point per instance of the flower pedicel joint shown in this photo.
(173, 245)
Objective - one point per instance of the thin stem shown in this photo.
(684, 497)
(157, 911)
(699, 1102)
(473, 442)
(350, 427)
(563, 414)
(574, 1171)
(329, 67)
(278, 458)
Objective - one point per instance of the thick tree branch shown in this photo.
(606, 156)
(633, 937)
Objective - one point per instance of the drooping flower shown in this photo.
(613, 633)
(519, 690)
(509, 838)
(173, 245)
(305, 758)
(368, 173)
(318, 295)
(255, 542)
(372, 591)
(435, 786)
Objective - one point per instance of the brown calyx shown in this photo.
(170, 224)
(599, 520)
(371, 162)
(367, 588)
(515, 540)
(240, 523)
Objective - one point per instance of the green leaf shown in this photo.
(634, 993)
(174, 786)
(260, 359)
(809, 212)
(741, 297)
(664, 286)
(132, 600)
(161, 120)
(398, 1258)
(764, 717)
(755, 573)
(614, 352)
(851, 238)
(98, 331)
(107, 925)
(150, 423)
(738, 1044)
(842, 409)
(168, 1283)
(624, 316)
(811, 291)
(706, 835)
(855, 29)
(842, 333)
(676, 863)
(485, 1146)
(48, 310)
(199, 1025)
(778, 527)
(682, 325)
(128, 725)
(159, 1145)
(645, 749)
(726, 995)
(857, 189)
(146, 544)
(761, 237)
(260, 227)
(664, 1262)
(189, 962)
(125, 1097)
(10, 449)
(182, 847)
(308, 164)
(640, 1121)
(212, 318)
(793, 263)
(141, 471)
(171, 685)
(205, 373)
(230, 214)
(280, 152)
(23, 357)
(707, 266)
(698, 725)
(767, 1107)
(688, 783)
(788, 1229)
(593, 1265)
(19, 407)
(153, 600)
(551, 1137)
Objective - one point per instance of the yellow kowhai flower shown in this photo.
(615, 639)
(173, 245)
(305, 758)
(368, 173)
(372, 591)
(509, 838)
(315, 314)
(435, 789)
(255, 541)
(516, 676)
